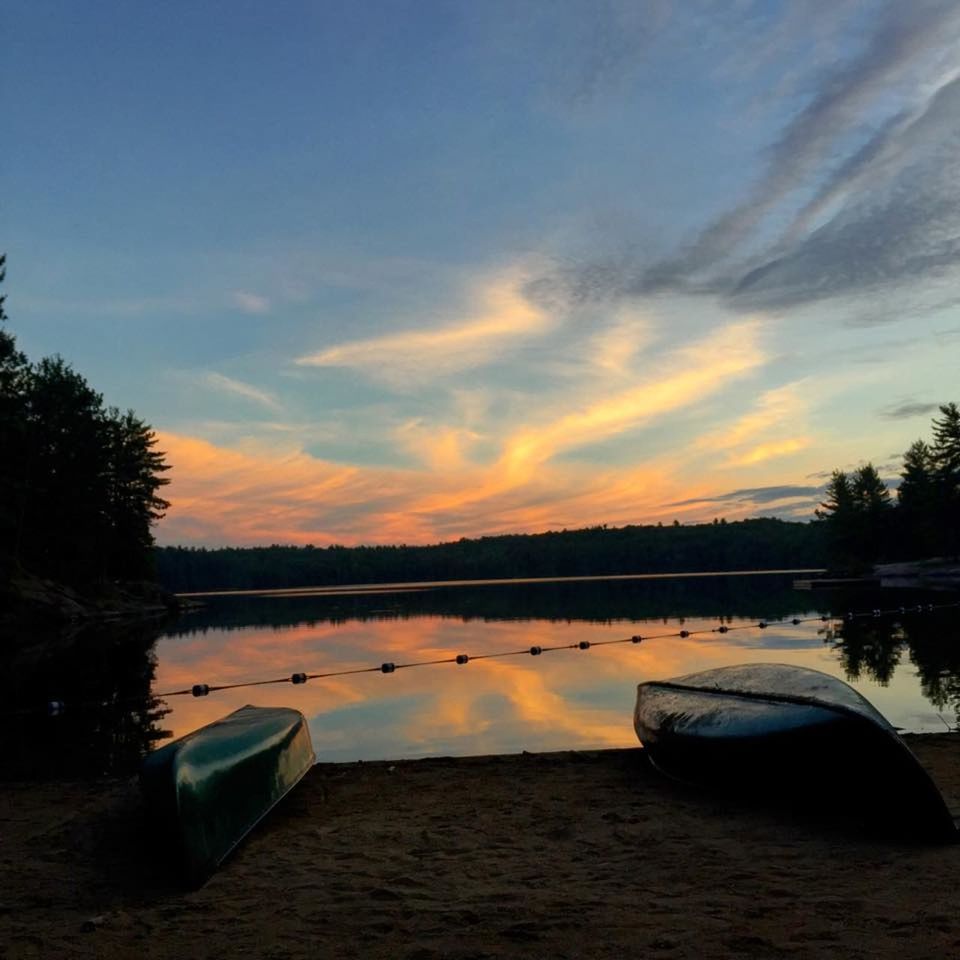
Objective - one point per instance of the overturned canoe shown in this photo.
(206, 791)
(779, 729)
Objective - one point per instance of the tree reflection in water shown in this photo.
(103, 675)
(875, 647)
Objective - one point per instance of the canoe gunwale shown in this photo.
(774, 698)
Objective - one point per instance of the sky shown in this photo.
(389, 272)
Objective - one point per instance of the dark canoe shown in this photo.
(206, 791)
(776, 729)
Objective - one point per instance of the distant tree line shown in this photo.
(864, 524)
(719, 598)
(79, 481)
(742, 545)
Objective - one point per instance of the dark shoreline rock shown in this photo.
(936, 573)
(26, 600)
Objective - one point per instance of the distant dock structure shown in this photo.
(935, 574)
(836, 583)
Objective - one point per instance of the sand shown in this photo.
(586, 854)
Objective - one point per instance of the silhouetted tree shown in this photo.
(872, 508)
(838, 513)
(856, 512)
(65, 517)
(133, 474)
(78, 483)
(757, 544)
(946, 459)
(917, 500)
(862, 523)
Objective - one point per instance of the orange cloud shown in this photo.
(421, 354)
(471, 481)
(767, 451)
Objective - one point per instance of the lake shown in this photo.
(563, 699)
(110, 679)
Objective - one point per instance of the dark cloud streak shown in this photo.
(906, 411)
(874, 150)
(906, 228)
(903, 33)
(755, 495)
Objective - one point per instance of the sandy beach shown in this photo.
(585, 854)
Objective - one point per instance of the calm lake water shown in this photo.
(566, 699)
(110, 680)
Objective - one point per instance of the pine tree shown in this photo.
(838, 513)
(916, 500)
(870, 493)
(839, 498)
(65, 516)
(946, 458)
(133, 476)
(946, 442)
(872, 507)
(857, 513)
(78, 484)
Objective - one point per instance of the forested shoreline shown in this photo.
(864, 524)
(757, 544)
(79, 492)
(858, 525)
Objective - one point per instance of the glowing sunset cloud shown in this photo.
(476, 300)
(270, 492)
(768, 451)
(693, 373)
(419, 354)
(615, 349)
(759, 435)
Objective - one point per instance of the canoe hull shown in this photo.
(206, 791)
(794, 733)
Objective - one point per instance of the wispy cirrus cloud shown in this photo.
(775, 427)
(613, 350)
(414, 356)
(250, 494)
(237, 388)
(441, 447)
(251, 302)
(686, 376)
(870, 156)
(911, 195)
(905, 53)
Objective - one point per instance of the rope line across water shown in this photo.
(203, 689)
(57, 707)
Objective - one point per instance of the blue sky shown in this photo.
(415, 271)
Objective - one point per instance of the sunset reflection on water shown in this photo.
(566, 699)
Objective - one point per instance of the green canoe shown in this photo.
(206, 791)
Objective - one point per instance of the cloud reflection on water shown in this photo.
(567, 699)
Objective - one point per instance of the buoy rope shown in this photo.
(57, 707)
